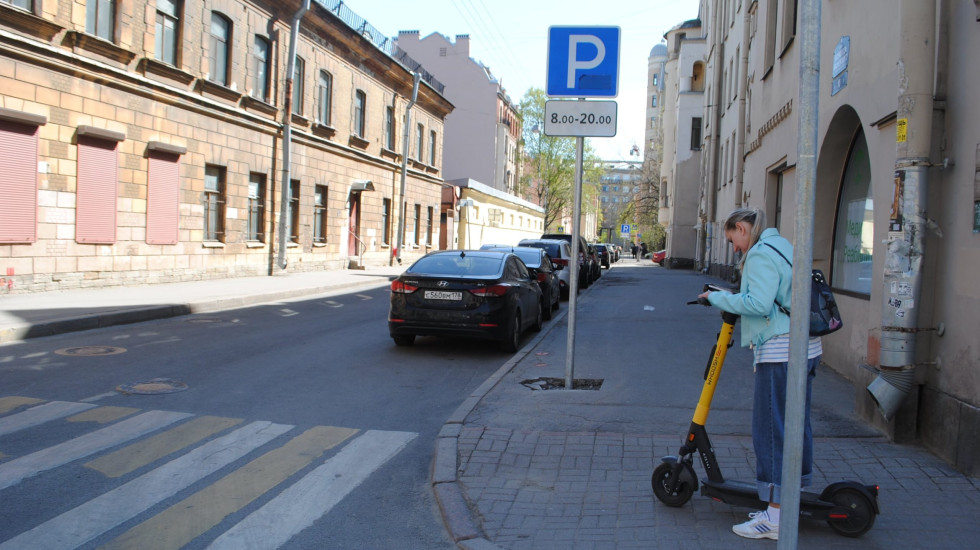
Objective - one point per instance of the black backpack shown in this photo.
(824, 315)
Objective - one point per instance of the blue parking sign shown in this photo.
(624, 228)
(583, 61)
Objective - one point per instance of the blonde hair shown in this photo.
(756, 219)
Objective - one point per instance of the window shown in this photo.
(385, 221)
(854, 231)
(390, 128)
(653, 122)
(167, 31)
(325, 97)
(22, 4)
(163, 198)
(298, 73)
(653, 101)
(260, 56)
(696, 133)
(432, 148)
(18, 187)
(789, 23)
(100, 18)
(360, 106)
(220, 54)
(293, 214)
(418, 219)
(770, 45)
(419, 130)
(428, 226)
(256, 207)
(320, 214)
(214, 189)
(655, 79)
(95, 202)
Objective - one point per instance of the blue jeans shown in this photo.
(768, 421)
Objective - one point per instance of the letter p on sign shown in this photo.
(583, 61)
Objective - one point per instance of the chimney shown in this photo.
(408, 36)
(463, 44)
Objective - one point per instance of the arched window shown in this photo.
(697, 77)
(854, 232)
(220, 50)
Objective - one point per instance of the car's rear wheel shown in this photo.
(512, 336)
(546, 308)
(404, 339)
(538, 317)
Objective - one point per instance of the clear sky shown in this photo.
(511, 37)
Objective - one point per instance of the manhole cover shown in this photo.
(559, 383)
(152, 387)
(91, 351)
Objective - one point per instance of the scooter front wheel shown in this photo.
(860, 513)
(662, 478)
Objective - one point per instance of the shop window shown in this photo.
(320, 214)
(854, 232)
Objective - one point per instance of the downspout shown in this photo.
(287, 131)
(405, 144)
(902, 277)
(743, 86)
(714, 113)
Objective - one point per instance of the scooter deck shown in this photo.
(743, 493)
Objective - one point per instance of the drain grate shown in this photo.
(90, 351)
(559, 383)
(152, 387)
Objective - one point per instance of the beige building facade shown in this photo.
(145, 143)
(896, 219)
(485, 215)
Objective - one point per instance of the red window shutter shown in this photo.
(18, 186)
(162, 196)
(95, 203)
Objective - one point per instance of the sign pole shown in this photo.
(572, 298)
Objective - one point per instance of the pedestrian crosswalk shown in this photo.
(158, 460)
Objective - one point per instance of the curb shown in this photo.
(125, 316)
(460, 520)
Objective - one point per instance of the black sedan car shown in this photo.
(543, 270)
(483, 294)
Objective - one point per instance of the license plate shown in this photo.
(442, 295)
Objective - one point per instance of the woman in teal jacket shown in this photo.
(766, 281)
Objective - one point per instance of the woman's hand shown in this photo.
(704, 295)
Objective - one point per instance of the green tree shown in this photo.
(549, 164)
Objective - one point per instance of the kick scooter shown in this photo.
(849, 507)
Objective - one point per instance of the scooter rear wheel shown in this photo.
(860, 510)
(661, 480)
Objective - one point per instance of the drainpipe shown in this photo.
(902, 278)
(287, 131)
(405, 144)
(743, 86)
(714, 114)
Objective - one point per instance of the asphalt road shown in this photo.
(318, 374)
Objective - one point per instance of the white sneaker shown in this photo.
(759, 527)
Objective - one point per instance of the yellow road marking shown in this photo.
(10, 403)
(140, 454)
(183, 522)
(102, 415)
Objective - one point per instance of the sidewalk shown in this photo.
(24, 316)
(554, 469)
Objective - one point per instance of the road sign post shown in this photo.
(582, 62)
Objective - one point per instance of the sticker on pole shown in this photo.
(580, 118)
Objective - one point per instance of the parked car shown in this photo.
(588, 265)
(560, 253)
(605, 256)
(658, 257)
(543, 270)
(491, 246)
(596, 264)
(472, 293)
(613, 252)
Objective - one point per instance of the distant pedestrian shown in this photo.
(633, 250)
(643, 250)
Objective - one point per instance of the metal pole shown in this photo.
(799, 334)
(573, 276)
(405, 145)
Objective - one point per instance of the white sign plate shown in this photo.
(580, 118)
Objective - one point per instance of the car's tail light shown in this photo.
(487, 291)
(563, 261)
(402, 288)
(542, 277)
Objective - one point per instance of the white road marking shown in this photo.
(39, 415)
(87, 521)
(299, 506)
(15, 471)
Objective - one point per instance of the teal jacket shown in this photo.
(766, 279)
